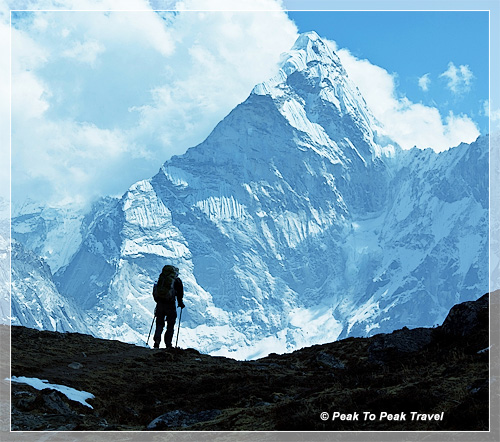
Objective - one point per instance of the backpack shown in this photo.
(163, 290)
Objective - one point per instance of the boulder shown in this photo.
(467, 317)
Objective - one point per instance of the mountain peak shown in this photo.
(307, 39)
(314, 48)
(309, 53)
(309, 50)
(311, 81)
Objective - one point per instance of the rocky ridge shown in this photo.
(440, 374)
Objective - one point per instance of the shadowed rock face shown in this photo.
(429, 371)
(385, 346)
(465, 318)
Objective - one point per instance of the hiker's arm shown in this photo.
(179, 292)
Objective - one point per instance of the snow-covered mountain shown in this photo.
(295, 222)
(35, 299)
(4, 262)
(54, 233)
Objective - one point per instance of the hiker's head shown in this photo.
(169, 270)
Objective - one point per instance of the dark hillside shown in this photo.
(440, 374)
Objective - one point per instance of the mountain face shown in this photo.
(295, 222)
(36, 300)
(52, 233)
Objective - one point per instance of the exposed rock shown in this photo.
(386, 346)
(75, 365)
(329, 360)
(179, 418)
(55, 401)
(464, 318)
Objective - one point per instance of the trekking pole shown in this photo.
(147, 342)
(178, 328)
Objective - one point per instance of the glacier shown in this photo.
(296, 222)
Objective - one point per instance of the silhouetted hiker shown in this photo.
(168, 288)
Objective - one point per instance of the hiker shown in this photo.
(168, 288)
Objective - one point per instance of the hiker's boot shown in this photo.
(157, 345)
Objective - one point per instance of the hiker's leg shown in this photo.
(171, 316)
(160, 323)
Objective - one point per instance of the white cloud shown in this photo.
(424, 81)
(485, 108)
(211, 73)
(409, 124)
(100, 100)
(84, 52)
(27, 88)
(493, 115)
(72, 164)
(229, 5)
(459, 79)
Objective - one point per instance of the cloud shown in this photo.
(77, 156)
(84, 52)
(212, 73)
(459, 79)
(409, 124)
(493, 115)
(102, 99)
(424, 81)
(229, 5)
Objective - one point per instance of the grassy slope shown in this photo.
(421, 370)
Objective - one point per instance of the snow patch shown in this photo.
(70, 393)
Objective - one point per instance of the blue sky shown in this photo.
(415, 44)
(99, 100)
